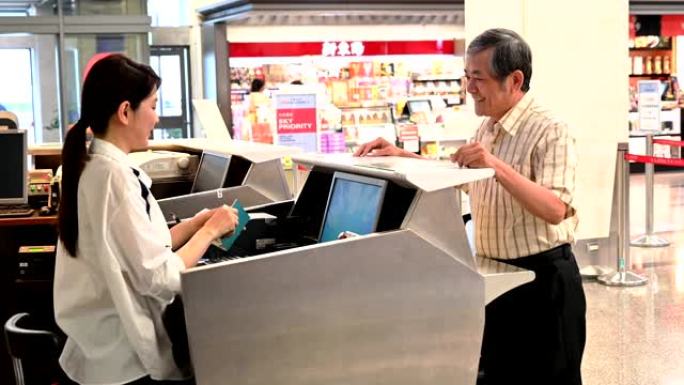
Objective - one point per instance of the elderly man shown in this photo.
(534, 334)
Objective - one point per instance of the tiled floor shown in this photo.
(636, 335)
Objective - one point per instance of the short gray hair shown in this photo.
(510, 53)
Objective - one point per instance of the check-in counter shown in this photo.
(403, 304)
(254, 176)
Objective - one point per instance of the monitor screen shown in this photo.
(419, 106)
(354, 204)
(211, 172)
(14, 167)
(237, 172)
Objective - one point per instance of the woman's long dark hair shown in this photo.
(111, 81)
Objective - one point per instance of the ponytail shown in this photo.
(74, 158)
(111, 81)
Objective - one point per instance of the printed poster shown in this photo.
(296, 121)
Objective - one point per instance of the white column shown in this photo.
(580, 71)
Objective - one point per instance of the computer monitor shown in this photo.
(13, 167)
(211, 172)
(354, 204)
(422, 105)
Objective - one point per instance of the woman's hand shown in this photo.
(219, 221)
(202, 216)
(215, 223)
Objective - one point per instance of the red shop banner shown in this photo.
(672, 25)
(343, 48)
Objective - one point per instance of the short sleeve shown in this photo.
(555, 162)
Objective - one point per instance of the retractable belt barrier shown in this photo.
(678, 143)
(649, 239)
(659, 160)
(655, 160)
(622, 277)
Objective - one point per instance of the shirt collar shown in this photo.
(109, 150)
(512, 119)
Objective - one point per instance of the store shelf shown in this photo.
(647, 49)
(431, 138)
(360, 106)
(447, 95)
(652, 76)
(363, 125)
(639, 134)
(432, 78)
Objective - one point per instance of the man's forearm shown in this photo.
(536, 199)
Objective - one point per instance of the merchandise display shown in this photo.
(360, 97)
(654, 57)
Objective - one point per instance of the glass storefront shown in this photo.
(172, 65)
(81, 49)
(28, 73)
(42, 74)
(85, 7)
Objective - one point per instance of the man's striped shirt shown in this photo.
(540, 148)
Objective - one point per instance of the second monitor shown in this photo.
(354, 204)
(211, 172)
(217, 170)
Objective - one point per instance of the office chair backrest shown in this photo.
(34, 351)
(9, 119)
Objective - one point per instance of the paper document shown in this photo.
(211, 120)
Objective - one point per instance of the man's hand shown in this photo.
(474, 155)
(535, 198)
(378, 147)
(381, 147)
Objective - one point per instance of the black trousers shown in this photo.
(535, 333)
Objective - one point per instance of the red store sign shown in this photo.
(343, 48)
(672, 25)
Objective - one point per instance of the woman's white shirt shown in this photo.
(109, 299)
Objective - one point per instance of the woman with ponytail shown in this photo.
(118, 265)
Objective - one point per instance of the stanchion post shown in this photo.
(623, 277)
(649, 239)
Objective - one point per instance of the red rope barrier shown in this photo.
(655, 160)
(668, 142)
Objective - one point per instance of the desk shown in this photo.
(33, 220)
(15, 232)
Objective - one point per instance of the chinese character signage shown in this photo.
(342, 48)
(296, 121)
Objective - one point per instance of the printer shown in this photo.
(161, 165)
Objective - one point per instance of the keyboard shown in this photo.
(209, 261)
(8, 211)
